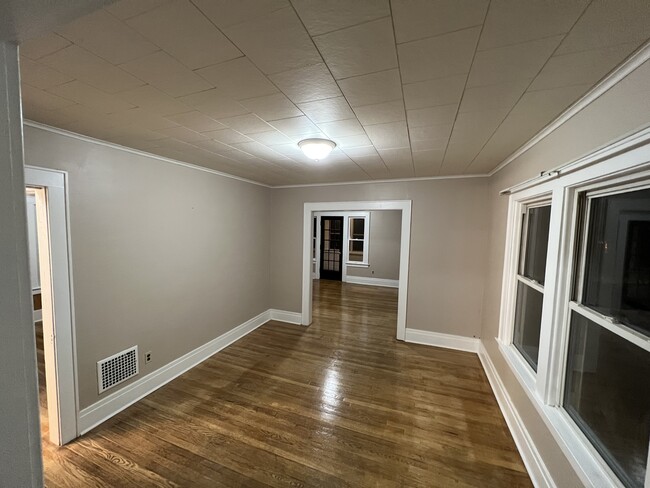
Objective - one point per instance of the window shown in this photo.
(530, 281)
(607, 386)
(358, 240)
(575, 310)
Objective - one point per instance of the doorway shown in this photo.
(331, 248)
(54, 336)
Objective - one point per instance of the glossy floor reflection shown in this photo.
(340, 403)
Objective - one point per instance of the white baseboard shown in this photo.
(114, 403)
(449, 341)
(362, 280)
(284, 316)
(534, 463)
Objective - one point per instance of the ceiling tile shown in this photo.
(227, 136)
(374, 49)
(90, 97)
(417, 19)
(488, 97)
(320, 17)
(384, 86)
(607, 24)
(275, 42)
(438, 57)
(107, 37)
(327, 110)
(138, 116)
(183, 134)
(153, 100)
(358, 140)
(388, 136)
(225, 13)
(397, 158)
(239, 79)
(374, 167)
(257, 149)
(477, 127)
(581, 67)
(246, 124)
(93, 70)
(458, 157)
(40, 98)
(167, 74)
(432, 132)
(511, 63)
(443, 114)
(443, 91)
(125, 9)
(307, 84)
(513, 21)
(270, 138)
(41, 76)
(295, 125)
(184, 32)
(215, 104)
(427, 163)
(429, 145)
(381, 113)
(42, 46)
(341, 128)
(272, 107)
(360, 151)
(196, 121)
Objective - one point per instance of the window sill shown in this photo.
(356, 264)
(588, 464)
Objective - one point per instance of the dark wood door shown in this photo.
(331, 248)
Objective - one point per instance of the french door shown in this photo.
(331, 248)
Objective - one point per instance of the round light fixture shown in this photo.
(316, 149)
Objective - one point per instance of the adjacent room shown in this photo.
(325, 243)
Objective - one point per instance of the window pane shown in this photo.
(528, 319)
(536, 243)
(356, 250)
(357, 228)
(617, 267)
(607, 393)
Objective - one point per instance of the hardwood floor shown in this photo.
(340, 403)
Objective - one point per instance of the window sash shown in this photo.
(366, 238)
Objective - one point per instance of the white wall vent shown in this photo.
(117, 368)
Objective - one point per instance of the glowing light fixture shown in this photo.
(316, 149)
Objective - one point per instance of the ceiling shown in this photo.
(406, 88)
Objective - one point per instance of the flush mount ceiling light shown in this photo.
(316, 149)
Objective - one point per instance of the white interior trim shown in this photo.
(537, 469)
(405, 244)
(363, 280)
(639, 57)
(90, 417)
(57, 301)
(396, 180)
(438, 339)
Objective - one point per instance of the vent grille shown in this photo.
(117, 368)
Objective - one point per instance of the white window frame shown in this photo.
(366, 239)
(623, 164)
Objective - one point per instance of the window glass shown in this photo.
(535, 245)
(356, 251)
(357, 228)
(528, 319)
(617, 265)
(607, 393)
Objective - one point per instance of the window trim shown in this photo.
(629, 168)
(366, 239)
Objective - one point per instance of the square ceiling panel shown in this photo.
(405, 88)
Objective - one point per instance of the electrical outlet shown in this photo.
(147, 357)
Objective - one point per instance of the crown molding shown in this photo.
(137, 152)
(396, 180)
(636, 59)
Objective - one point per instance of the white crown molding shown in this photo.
(112, 145)
(438, 339)
(637, 58)
(396, 180)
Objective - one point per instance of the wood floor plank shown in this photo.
(338, 403)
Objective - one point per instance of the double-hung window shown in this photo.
(575, 310)
(358, 239)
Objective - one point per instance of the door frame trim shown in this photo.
(58, 308)
(405, 244)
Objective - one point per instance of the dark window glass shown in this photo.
(607, 393)
(535, 246)
(528, 319)
(617, 267)
(357, 228)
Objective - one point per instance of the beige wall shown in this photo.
(449, 230)
(383, 246)
(622, 110)
(163, 256)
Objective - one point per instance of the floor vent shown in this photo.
(117, 368)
